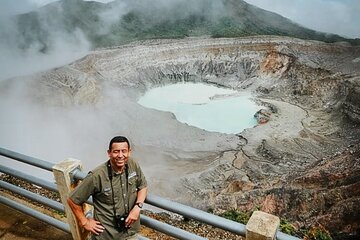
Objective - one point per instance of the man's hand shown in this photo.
(88, 224)
(93, 226)
(133, 216)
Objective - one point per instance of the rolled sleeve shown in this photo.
(141, 181)
(84, 190)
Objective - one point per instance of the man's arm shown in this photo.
(141, 195)
(88, 223)
(135, 212)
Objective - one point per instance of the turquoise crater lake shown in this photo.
(204, 106)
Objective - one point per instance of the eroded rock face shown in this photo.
(327, 192)
(351, 106)
(276, 63)
(298, 165)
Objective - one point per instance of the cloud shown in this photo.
(49, 132)
(64, 47)
(12, 7)
(331, 16)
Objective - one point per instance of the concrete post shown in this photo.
(61, 173)
(262, 226)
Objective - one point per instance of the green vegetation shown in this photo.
(227, 27)
(237, 216)
(149, 21)
(317, 232)
(286, 227)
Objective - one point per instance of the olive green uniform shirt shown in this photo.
(97, 184)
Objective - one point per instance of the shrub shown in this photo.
(318, 232)
(236, 216)
(286, 227)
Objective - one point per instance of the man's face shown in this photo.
(119, 155)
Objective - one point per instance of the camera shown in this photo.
(120, 222)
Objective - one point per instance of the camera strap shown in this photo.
(109, 168)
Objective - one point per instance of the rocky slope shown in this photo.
(302, 165)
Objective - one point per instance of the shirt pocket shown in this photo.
(105, 195)
(133, 184)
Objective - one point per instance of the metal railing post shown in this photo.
(262, 226)
(62, 173)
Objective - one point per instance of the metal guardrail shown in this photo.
(29, 211)
(168, 229)
(29, 178)
(197, 214)
(151, 199)
(33, 196)
(27, 159)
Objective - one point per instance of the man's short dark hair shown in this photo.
(119, 139)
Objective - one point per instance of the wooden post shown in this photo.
(262, 226)
(61, 173)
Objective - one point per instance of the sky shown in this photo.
(341, 17)
(334, 16)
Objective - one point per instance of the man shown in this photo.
(118, 188)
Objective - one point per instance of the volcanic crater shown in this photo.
(302, 165)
